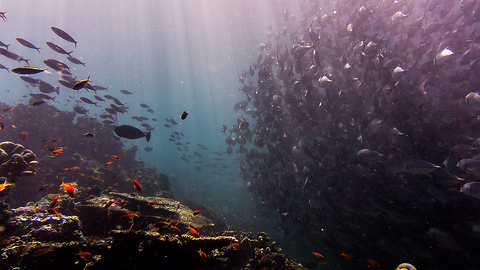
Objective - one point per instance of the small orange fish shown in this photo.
(4, 185)
(50, 148)
(53, 211)
(115, 175)
(152, 202)
(115, 157)
(25, 250)
(7, 109)
(202, 255)
(193, 231)
(130, 229)
(374, 264)
(56, 140)
(23, 135)
(2, 126)
(46, 140)
(54, 201)
(349, 258)
(136, 183)
(87, 256)
(45, 187)
(174, 223)
(69, 189)
(110, 202)
(58, 151)
(71, 169)
(196, 212)
(107, 163)
(236, 245)
(318, 255)
(109, 214)
(40, 210)
(128, 216)
(177, 230)
(42, 251)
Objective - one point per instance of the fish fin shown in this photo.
(147, 136)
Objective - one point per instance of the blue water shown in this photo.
(173, 56)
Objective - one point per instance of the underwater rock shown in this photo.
(25, 230)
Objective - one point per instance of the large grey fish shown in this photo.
(130, 132)
(46, 88)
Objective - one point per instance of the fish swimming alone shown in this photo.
(129, 132)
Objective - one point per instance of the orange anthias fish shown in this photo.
(53, 211)
(130, 229)
(54, 201)
(202, 254)
(174, 223)
(56, 140)
(110, 202)
(45, 187)
(152, 202)
(2, 126)
(236, 245)
(58, 151)
(196, 212)
(129, 216)
(8, 109)
(374, 264)
(71, 169)
(23, 135)
(177, 230)
(193, 231)
(115, 175)
(136, 183)
(46, 140)
(115, 157)
(4, 185)
(87, 256)
(69, 189)
(42, 251)
(349, 258)
(107, 163)
(318, 255)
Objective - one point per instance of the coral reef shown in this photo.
(15, 160)
(34, 240)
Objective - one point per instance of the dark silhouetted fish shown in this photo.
(57, 48)
(27, 44)
(63, 35)
(56, 65)
(126, 92)
(47, 88)
(67, 84)
(4, 67)
(129, 132)
(81, 84)
(27, 70)
(76, 61)
(88, 101)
